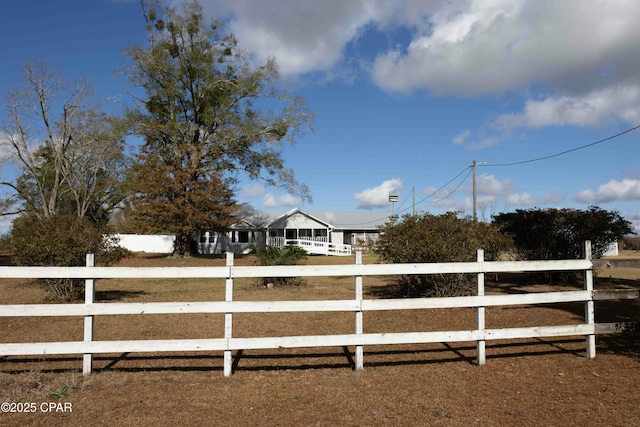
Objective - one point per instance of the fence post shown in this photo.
(228, 317)
(359, 320)
(589, 309)
(89, 298)
(480, 311)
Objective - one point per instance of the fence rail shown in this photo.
(88, 347)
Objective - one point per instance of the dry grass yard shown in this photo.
(532, 382)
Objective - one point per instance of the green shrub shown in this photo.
(286, 255)
(62, 241)
(547, 234)
(439, 238)
(541, 234)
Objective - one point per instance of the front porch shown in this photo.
(313, 246)
(299, 228)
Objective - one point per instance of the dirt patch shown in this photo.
(524, 382)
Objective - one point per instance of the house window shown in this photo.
(243, 236)
(305, 233)
(204, 237)
(320, 232)
(276, 233)
(291, 233)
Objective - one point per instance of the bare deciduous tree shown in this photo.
(69, 153)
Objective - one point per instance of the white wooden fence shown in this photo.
(88, 347)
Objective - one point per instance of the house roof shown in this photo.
(337, 220)
(300, 211)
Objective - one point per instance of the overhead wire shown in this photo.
(406, 198)
(455, 189)
(468, 169)
(566, 151)
(433, 193)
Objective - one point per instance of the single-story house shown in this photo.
(331, 233)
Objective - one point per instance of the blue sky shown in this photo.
(407, 94)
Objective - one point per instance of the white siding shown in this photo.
(297, 220)
(155, 243)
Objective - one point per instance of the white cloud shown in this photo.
(627, 189)
(484, 143)
(378, 197)
(286, 200)
(461, 137)
(490, 185)
(635, 221)
(477, 47)
(522, 199)
(619, 102)
(253, 190)
(553, 198)
(577, 59)
(303, 36)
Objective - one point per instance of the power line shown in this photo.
(468, 169)
(406, 198)
(442, 187)
(455, 189)
(425, 198)
(567, 151)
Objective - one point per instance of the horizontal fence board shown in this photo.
(288, 306)
(616, 294)
(292, 306)
(96, 309)
(222, 307)
(263, 343)
(616, 328)
(410, 269)
(133, 346)
(156, 308)
(295, 271)
(532, 266)
(41, 310)
(289, 271)
(539, 331)
(476, 301)
(114, 272)
(219, 344)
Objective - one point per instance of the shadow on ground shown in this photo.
(310, 359)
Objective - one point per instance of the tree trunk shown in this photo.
(182, 246)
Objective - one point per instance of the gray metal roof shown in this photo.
(365, 220)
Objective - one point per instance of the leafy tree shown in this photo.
(439, 238)
(70, 154)
(207, 116)
(62, 240)
(561, 233)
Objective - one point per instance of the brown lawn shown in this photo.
(524, 382)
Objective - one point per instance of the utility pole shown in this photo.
(475, 198)
(414, 201)
(473, 166)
